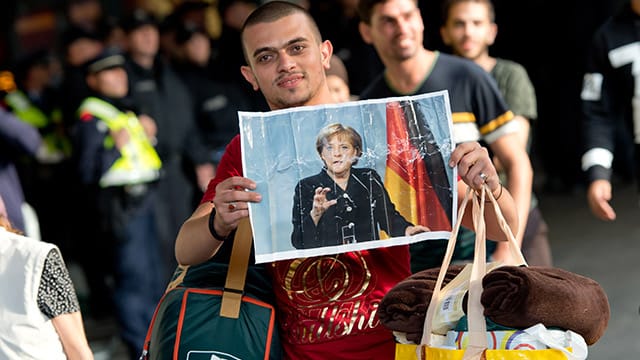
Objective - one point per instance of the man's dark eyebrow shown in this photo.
(268, 48)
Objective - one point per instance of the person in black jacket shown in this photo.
(157, 91)
(215, 104)
(343, 204)
(610, 105)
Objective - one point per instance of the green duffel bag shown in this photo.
(188, 323)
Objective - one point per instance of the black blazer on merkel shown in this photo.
(362, 210)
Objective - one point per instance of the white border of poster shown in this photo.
(278, 150)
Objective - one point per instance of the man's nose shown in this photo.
(403, 25)
(285, 62)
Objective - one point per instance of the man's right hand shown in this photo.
(598, 196)
(231, 202)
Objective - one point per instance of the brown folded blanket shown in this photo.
(521, 297)
(404, 307)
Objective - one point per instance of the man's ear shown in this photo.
(91, 81)
(248, 75)
(445, 36)
(326, 50)
(365, 32)
(493, 32)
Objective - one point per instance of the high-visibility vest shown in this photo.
(26, 111)
(138, 162)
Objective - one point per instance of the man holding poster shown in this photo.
(326, 305)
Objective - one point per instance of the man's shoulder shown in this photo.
(510, 72)
(456, 63)
(451, 70)
(506, 65)
(234, 144)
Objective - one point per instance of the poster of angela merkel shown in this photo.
(349, 176)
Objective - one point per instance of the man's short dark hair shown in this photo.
(448, 4)
(275, 10)
(365, 8)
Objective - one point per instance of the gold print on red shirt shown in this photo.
(328, 297)
(313, 281)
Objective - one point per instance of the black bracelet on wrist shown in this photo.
(499, 194)
(212, 228)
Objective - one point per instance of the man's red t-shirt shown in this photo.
(327, 306)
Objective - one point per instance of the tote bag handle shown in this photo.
(476, 321)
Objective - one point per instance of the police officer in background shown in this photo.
(117, 159)
(158, 92)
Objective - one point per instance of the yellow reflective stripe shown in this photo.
(462, 117)
(497, 122)
(128, 177)
(139, 161)
(99, 108)
(24, 109)
(466, 117)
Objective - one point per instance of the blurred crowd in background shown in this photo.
(189, 83)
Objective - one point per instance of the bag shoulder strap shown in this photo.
(237, 273)
(178, 277)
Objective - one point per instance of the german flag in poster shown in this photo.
(414, 165)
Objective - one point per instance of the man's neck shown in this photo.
(144, 61)
(323, 97)
(407, 75)
(486, 62)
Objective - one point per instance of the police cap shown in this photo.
(138, 18)
(107, 59)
